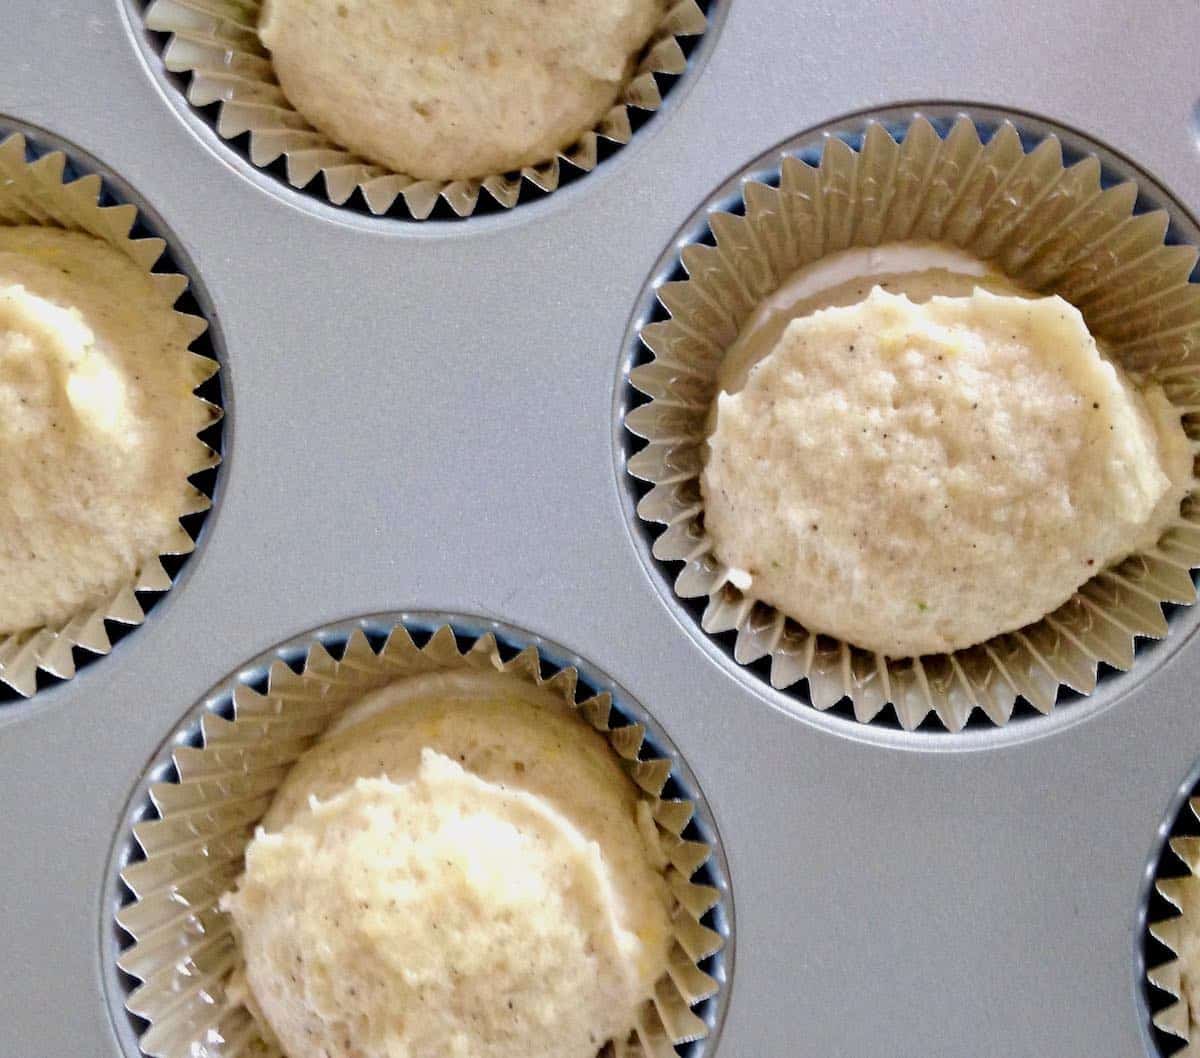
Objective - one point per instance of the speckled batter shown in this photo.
(513, 738)
(97, 423)
(916, 479)
(455, 89)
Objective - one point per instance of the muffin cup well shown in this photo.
(216, 42)
(34, 193)
(1183, 893)
(184, 952)
(1054, 228)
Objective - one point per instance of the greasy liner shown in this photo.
(216, 42)
(184, 951)
(34, 192)
(1052, 227)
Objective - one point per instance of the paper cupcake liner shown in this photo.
(1181, 891)
(183, 950)
(216, 42)
(1054, 228)
(35, 192)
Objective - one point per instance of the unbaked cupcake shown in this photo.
(428, 99)
(919, 476)
(99, 419)
(423, 848)
(460, 866)
(915, 424)
(449, 89)
(98, 424)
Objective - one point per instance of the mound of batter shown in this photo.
(455, 89)
(919, 478)
(459, 867)
(98, 423)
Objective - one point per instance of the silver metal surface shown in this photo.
(421, 417)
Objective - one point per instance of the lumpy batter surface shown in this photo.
(918, 478)
(98, 423)
(455, 89)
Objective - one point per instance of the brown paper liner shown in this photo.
(185, 953)
(216, 42)
(1184, 894)
(34, 193)
(1051, 228)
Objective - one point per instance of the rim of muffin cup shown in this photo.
(1175, 857)
(665, 387)
(345, 651)
(73, 190)
(218, 76)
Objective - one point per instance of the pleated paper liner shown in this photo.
(1174, 914)
(183, 950)
(1052, 227)
(216, 43)
(44, 189)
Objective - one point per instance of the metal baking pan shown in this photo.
(420, 416)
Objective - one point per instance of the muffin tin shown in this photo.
(426, 416)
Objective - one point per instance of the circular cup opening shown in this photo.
(195, 301)
(307, 188)
(420, 626)
(1068, 705)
